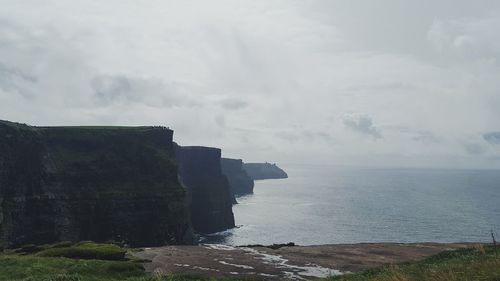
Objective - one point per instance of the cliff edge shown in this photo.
(90, 183)
(239, 181)
(210, 198)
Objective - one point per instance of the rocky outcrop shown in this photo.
(262, 171)
(90, 183)
(239, 181)
(208, 189)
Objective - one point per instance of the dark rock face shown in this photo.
(262, 171)
(208, 189)
(239, 181)
(90, 183)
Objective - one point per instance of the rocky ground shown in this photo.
(286, 263)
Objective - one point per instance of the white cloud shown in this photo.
(468, 39)
(264, 80)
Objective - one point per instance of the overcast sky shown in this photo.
(393, 83)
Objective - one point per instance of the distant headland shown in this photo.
(262, 171)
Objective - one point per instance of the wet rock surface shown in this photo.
(285, 263)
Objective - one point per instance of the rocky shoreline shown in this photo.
(284, 263)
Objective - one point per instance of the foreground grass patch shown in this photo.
(18, 267)
(83, 261)
(86, 250)
(88, 261)
(14, 267)
(480, 263)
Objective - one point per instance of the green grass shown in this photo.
(86, 250)
(17, 267)
(476, 264)
(38, 263)
(83, 261)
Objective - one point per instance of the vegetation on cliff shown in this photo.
(34, 265)
(480, 263)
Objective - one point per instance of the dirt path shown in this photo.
(287, 263)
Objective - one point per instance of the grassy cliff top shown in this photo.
(83, 127)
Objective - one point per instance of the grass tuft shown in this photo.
(86, 250)
(477, 263)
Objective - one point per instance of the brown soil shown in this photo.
(287, 263)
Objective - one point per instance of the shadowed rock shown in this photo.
(90, 183)
(208, 189)
(239, 181)
(262, 171)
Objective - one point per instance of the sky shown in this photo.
(348, 82)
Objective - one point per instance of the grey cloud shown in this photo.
(303, 135)
(467, 38)
(363, 124)
(492, 137)
(426, 137)
(233, 104)
(423, 136)
(384, 87)
(473, 148)
(110, 89)
(220, 120)
(288, 136)
(284, 64)
(13, 79)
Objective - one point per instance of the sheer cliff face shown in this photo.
(239, 181)
(208, 189)
(90, 183)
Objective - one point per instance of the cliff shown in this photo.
(262, 171)
(239, 181)
(90, 183)
(208, 189)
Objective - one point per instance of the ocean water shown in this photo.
(332, 204)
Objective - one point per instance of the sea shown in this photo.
(334, 204)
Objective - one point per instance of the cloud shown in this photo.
(361, 123)
(472, 38)
(154, 92)
(260, 78)
(233, 104)
(492, 137)
(220, 120)
(426, 137)
(15, 80)
(306, 136)
(474, 148)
